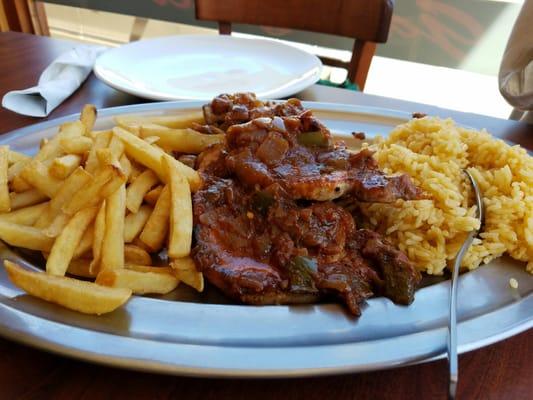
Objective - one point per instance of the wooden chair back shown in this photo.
(26, 16)
(366, 21)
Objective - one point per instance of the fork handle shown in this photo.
(452, 324)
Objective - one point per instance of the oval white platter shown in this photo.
(185, 333)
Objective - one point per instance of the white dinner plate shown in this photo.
(187, 333)
(203, 66)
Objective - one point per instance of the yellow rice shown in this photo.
(434, 152)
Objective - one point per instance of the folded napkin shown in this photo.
(57, 82)
(516, 69)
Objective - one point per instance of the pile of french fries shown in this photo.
(102, 205)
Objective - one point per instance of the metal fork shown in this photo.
(452, 323)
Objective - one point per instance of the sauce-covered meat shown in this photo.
(298, 153)
(266, 228)
(226, 110)
(261, 247)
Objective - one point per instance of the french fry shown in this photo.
(180, 232)
(65, 245)
(80, 267)
(101, 141)
(186, 272)
(15, 156)
(24, 236)
(96, 190)
(63, 166)
(152, 196)
(156, 228)
(19, 185)
(48, 151)
(69, 130)
(88, 117)
(151, 139)
(105, 157)
(163, 149)
(38, 176)
(72, 185)
(51, 149)
(106, 181)
(141, 151)
(134, 223)
(139, 243)
(151, 268)
(111, 186)
(125, 165)
(25, 199)
(183, 140)
(25, 216)
(116, 146)
(136, 255)
(113, 243)
(170, 121)
(57, 225)
(93, 134)
(76, 181)
(85, 244)
(99, 232)
(136, 170)
(15, 169)
(82, 296)
(132, 128)
(140, 282)
(136, 130)
(150, 157)
(136, 191)
(76, 145)
(192, 176)
(92, 178)
(5, 202)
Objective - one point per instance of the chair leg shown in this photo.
(224, 28)
(360, 63)
(15, 16)
(4, 24)
(138, 28)
(38, 17)
(24, 16)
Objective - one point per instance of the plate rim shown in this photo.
(144, 364)
(310, 77)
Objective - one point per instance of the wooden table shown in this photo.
(500, 371)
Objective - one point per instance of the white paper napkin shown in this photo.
(57, 82)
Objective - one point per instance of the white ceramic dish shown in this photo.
(186, 333)
(203, 66)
